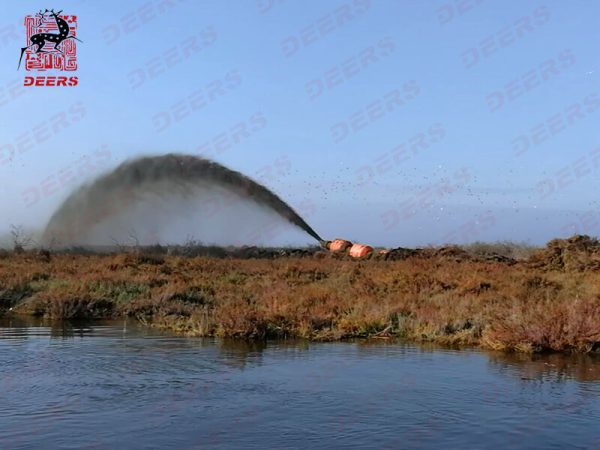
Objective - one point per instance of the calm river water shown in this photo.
(118, 385)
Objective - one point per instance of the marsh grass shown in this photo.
(442, 296)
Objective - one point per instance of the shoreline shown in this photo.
(547, 302)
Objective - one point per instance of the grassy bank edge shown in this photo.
(535, 305)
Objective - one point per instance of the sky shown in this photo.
(397, 123)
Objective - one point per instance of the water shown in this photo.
(118, 385)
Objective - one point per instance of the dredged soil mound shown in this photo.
(577, 253)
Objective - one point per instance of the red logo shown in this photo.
(51, 45)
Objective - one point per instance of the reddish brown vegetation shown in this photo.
(550, 301)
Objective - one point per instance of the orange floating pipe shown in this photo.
(360, 250)
(339, 245)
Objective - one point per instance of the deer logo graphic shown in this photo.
(41, 39)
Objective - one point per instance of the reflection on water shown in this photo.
(26, 327)
(107, 385)
(550, 367)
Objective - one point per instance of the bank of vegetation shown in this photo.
(493, 296)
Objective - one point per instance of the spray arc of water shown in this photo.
(178, 169)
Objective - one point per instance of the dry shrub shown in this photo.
(68, 301)
(548, 324)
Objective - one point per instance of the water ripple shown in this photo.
(119, 385)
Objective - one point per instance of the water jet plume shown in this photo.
(157, 180)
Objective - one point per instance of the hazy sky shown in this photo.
(388, 122)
